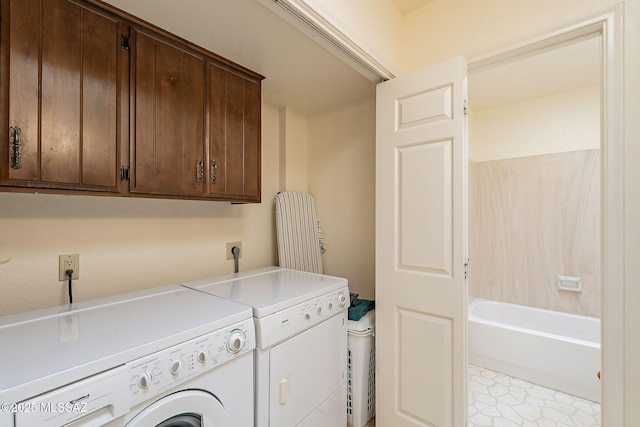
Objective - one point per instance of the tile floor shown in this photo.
(497, 400)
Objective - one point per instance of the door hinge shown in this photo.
(466, 268)
(125, 42)
(124, 173)
(465, 109)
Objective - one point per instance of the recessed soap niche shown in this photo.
(570, 283)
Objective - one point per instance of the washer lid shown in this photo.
(49, 348)
(271, 289)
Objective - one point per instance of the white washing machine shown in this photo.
(301, 343)
(163, 357)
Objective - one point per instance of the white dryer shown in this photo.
(301, 343)
(163, 357)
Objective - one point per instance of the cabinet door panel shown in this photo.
(63, 91)
(24, 52)
(100, 121)
(252, 132)
(144, 155)
(61, 66)
(235, 136)
(169, 111)
(234, 140)
(217, 130)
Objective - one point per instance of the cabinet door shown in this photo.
(63, 110)
(234, 135)
(168, 148)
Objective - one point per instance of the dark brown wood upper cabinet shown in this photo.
(168, 146)
(62, 112)
(234, 134)
(96, 101)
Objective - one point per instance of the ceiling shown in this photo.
(300, 74)
(571, 66)
(408, 6)
(304, 77)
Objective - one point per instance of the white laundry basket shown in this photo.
(361, 383)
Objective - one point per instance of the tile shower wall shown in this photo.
(532, 219)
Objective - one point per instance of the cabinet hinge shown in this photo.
(124, 173)
(125, 42)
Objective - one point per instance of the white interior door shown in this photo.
(421, 248)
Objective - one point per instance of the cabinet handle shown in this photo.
(214, 172)
(200, 171)
(15, 147)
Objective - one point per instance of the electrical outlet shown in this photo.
(231, 245)
(67, 262)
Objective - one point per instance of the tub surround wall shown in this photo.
(535, 218)
(535, 200)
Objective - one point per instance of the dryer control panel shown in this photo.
(163, 370)
(279, 326)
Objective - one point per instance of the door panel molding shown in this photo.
(425, 107)
(421, 367)
(425, 219)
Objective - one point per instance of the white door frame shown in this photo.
(608, 26)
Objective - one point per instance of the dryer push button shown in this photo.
(342, 299)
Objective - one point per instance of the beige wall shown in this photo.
(447, 28)
(126, 244)
(341, 177)
(293, 150)
(566, 121)
(332, 156)
(373, 25)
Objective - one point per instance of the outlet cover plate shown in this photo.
(69, 261)
(231, 245)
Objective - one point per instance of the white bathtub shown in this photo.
(557, 350)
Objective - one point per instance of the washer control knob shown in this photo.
(176, 365)
(342, 299)
(145, 379)
(203, 355)
(307, 316)
(319, 310)
(236, 341)
(330, 305)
